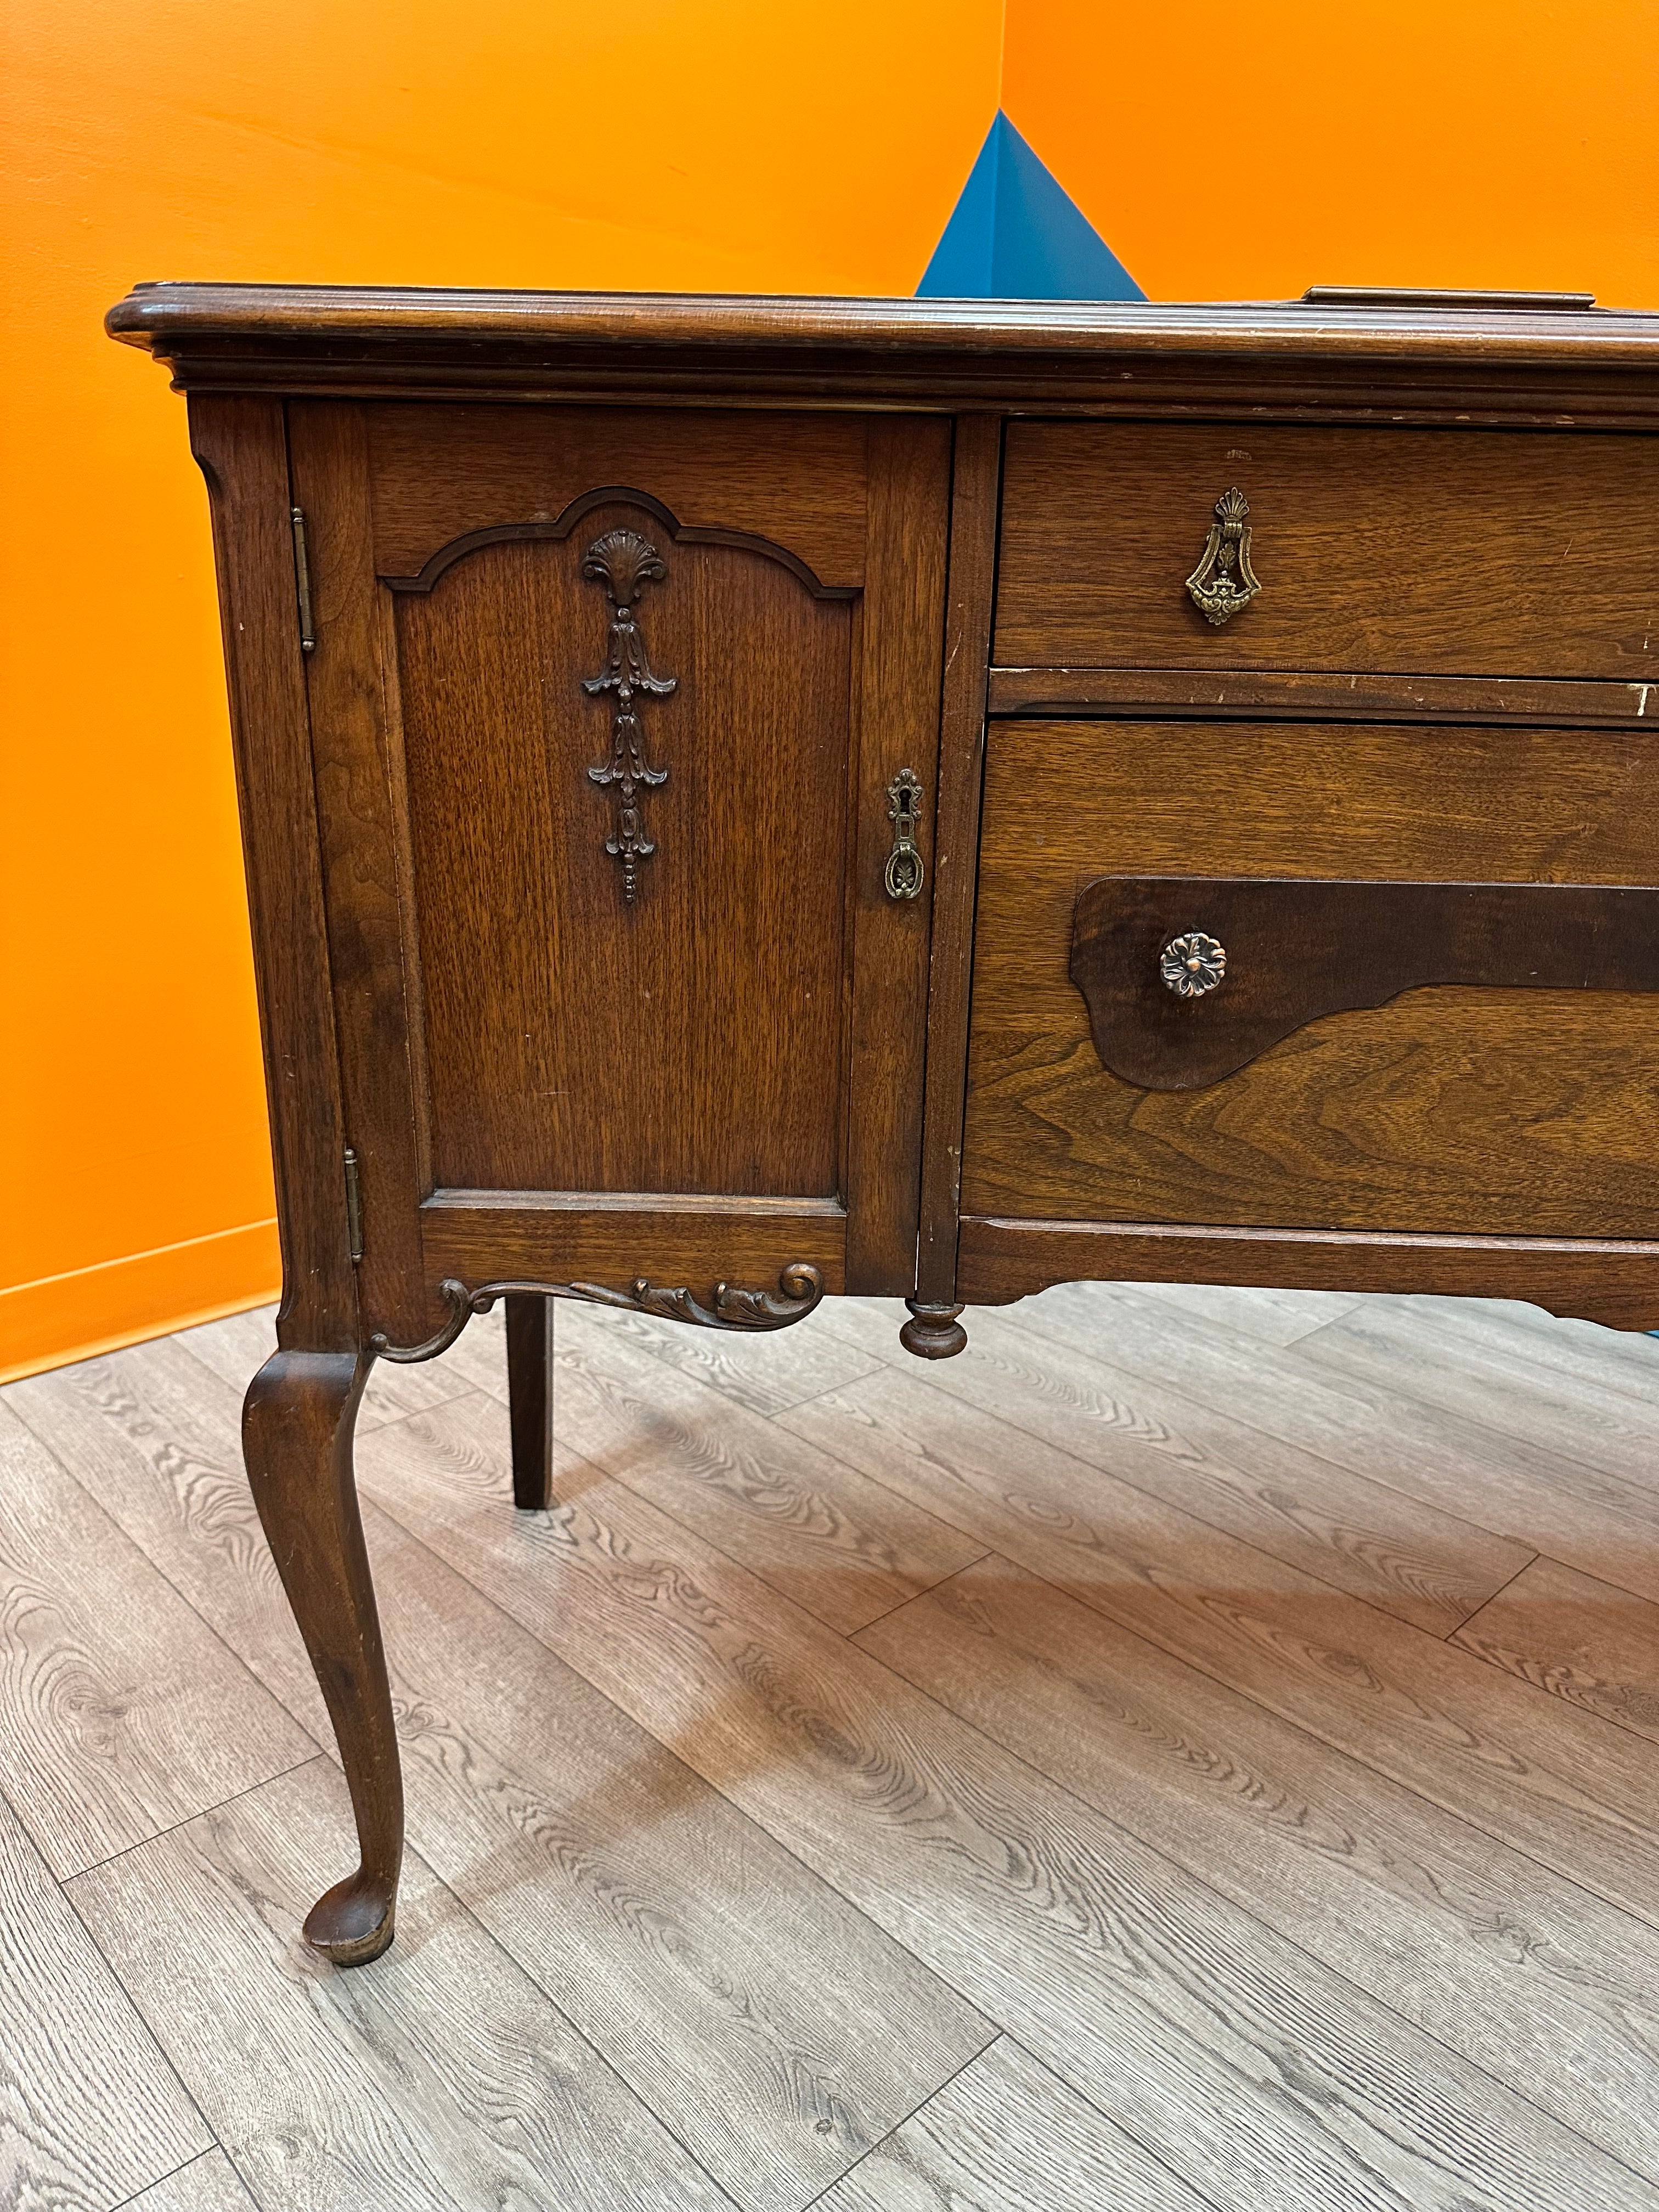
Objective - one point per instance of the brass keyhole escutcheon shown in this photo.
(1224, 580)
(1193, 963)
(903, 873)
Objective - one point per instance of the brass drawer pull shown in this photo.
(904, 871)
(1193, 964)
(1217, 591)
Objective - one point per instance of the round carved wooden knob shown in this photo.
(1193, 964)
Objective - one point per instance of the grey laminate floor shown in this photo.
(1199, 1749)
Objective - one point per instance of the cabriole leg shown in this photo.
(530, 1399)
(934, 1332)
(297, 1422)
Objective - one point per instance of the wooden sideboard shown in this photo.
(749, 800)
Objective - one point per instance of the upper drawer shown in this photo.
(1474, 552)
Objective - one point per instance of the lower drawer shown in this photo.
(1492, 1104)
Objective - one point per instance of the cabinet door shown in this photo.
(606, 705)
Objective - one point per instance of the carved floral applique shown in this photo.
(624, 563)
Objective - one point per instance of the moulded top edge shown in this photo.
(170, 317)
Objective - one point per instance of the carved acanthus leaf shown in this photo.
(732, 1306)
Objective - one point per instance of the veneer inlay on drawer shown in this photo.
(663, 896)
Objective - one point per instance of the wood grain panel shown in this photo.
(443, 471)
(1210, 693)
(975, 483)
(443, 2081)
(1614, 1283)
(900, 646)
(691, 1042)
(90, 2111)
(362, 821)
(1442, 804)
(241, 446)
(1449, 1110)
(1472, 553)
(1585, 1641)
(1256, 2073)
(685, 1238)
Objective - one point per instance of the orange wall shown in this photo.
(694, 143)
(1249, 151)
(729, 143)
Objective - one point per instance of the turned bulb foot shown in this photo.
(934, 1332)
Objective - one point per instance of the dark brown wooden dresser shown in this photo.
(749, 799)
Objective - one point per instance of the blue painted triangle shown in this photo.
(1016, 235)
(964, 260)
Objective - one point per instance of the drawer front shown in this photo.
(1486, 1102)
(1476, 552)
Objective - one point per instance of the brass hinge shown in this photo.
(302, 580)
(354, 1206)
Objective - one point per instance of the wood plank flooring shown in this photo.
(1197, 1751)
